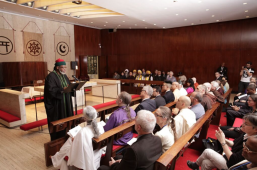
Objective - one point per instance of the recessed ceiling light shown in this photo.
(145, 27)
(165, 8)
(247, 16)
(44, 7)
(56, 10)
(199, 1)
(119, 25)
(154, 24)
(245, 3)
(246, 11)
(104, 25)
(177, 14)
(207, 9)
(213, 16)
(185, 19)
(29, 3)
(91, 22)
(123, 21)
(163, 27)
(135, 24)
(192, 24)
(217, 20)
(129, 27)
(106, 22)
(143, 20)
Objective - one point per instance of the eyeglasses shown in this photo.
(246, 124)
(247, 149)
(157, 115)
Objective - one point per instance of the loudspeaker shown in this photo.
(112, 30)
(73, 65)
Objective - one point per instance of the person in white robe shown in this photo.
(185, 117)
(79, 149)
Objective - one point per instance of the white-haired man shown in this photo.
(216, 86)
(176, 92)
(147, 103)
(197, 108)
(171, 77)
(145, 151)
(213, 93)
(206, 101)
(185, 117)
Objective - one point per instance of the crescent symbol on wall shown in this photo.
(60, 48)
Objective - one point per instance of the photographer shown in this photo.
(245, 73)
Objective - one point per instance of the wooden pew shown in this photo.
(216, 119)
(168, 159)
(106, 139)
(69, 122)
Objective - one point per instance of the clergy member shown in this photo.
(57, 103)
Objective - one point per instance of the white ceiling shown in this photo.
(151, 14)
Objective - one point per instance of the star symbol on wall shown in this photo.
(34, 48)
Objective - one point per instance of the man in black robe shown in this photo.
(57, 103)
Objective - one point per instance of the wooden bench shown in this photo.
(106, 139)
(216, 119)
(168, 158)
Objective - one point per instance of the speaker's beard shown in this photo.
(63, 73)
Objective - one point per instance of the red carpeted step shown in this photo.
(223, 120)
(8, 117)
(189, 154)
(33, 99)
(35, 124)
(238, 122)
(86, 90)
(135, 96)
(98, 106)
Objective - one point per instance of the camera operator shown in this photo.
(245, 73)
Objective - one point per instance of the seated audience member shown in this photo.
(239, 111)
(206, 101)
(164, 76)
(155, 75)
(227, 85)
(143, 72)
(197, 107)
(251, 89)
(185, 117)
(122, 75)
(182, 78)
(252, 81)
(216, 85)
(171, 77)
(175, 90)
(126, 73)
(159, 76)
(131, 76)
(210, 159)
(222, 85)
(147, 103)
(168, 129)
(195, 83)
(159, 100)
(183, 92)
(234, 132)
(222, 70)
(134, 73)
(250, 154)
(145, 151)
(139, 77)
(168, 96)
(116, 75)
(190, 84)
(218, 76)
(213, 94)
(167, 75)
(148, 76)
(79, 149)
(120, 116)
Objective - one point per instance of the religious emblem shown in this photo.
(6, 45)
(34, 48)
(62, 48)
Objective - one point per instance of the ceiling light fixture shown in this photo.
(106, 22)
(199, 1)
(207, 9)
(177, 14)
(185, 19)
(145, 27)
(217, 20)
(91, 22)
(246, 11)
(245, 3)
(247, 16)
(213, 16)
(154, 24)
(165, 8)
(123, 21)
(143, 20)
(44, 7)
(104, 25)
(163, 27)
(77, 2)
(192, 24)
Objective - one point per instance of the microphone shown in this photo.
(75, 78)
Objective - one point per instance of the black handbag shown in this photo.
(213, 144)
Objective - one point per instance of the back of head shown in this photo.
(251, 86)
(146, 120)
(149, 90)
(91, 114)
(208, 86)
(198, 97)
(158, 89)
(191, 82)
(194, 79)
(168, 83)
(166, 113)
(125, 97)
(215, 84)
(202, 88)
(186, 100)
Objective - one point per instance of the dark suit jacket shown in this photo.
(147, 104)
(224, 72)
(160, 101)
(169, 97)
(159, 78)
(141, 155)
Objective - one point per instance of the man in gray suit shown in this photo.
(147, 103)
(159, 100)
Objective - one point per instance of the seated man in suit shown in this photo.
(168, 96)
(147, 103)
(159, 100)
(145, 151)
(185, 117)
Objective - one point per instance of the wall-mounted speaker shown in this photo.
(73, 65)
